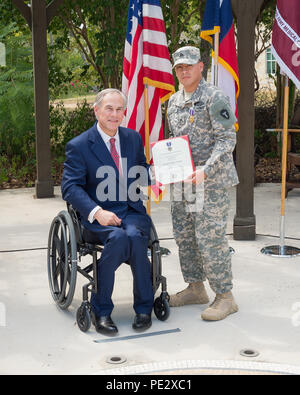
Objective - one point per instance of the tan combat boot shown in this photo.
(222, 306)
(194, 294)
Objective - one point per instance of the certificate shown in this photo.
(172, 159)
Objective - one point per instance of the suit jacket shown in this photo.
(91, 178)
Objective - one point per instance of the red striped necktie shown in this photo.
(114, 153)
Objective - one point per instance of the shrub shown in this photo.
(64, 125)
(17, 144)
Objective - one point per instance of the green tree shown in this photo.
(99, 29)
(16, 91)
(17, 149)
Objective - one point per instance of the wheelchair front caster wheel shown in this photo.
(161, 308)
(83, 318)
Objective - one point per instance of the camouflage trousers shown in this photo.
(201, 239)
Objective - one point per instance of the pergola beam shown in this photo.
(43, 183)
(247, 12)
(52, 10)
(24, 9)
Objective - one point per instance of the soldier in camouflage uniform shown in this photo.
(202, 111)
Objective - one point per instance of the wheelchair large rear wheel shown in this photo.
(62, 260)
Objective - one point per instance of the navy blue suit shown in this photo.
(85, 186)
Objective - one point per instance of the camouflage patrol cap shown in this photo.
(186, 55)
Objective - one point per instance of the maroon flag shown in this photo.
(286, 38)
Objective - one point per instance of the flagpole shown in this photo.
(147, 142)
(282, 250)
(216, 58)
(284, 162)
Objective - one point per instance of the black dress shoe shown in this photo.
(142, 322)
(104, 325)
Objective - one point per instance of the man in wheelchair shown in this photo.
(103, 167)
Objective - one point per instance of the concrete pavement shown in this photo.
(38, 338)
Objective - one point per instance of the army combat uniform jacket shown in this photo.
(200, 233)
(208, 120)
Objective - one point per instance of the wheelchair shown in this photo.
(68, 242)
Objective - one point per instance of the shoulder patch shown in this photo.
(221, 112)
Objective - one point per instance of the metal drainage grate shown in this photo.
(248, 352)
(116, 359)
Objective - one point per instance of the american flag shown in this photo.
(146, 61)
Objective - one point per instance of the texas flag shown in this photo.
(218, 18)
(286, 38)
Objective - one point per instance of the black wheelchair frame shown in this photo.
(67, 244)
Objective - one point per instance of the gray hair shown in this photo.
(100, 96)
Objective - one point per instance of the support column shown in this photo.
(244, 226)
(44, 183)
